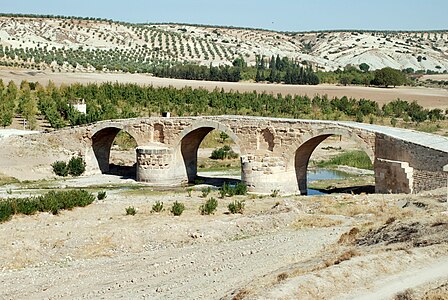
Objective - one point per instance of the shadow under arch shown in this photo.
(192, 136)
(102, 141)
(305, 148)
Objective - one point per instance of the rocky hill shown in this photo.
(89, 44)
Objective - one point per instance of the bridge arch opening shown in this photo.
(211, 155)
(114, 150)
(327, 146)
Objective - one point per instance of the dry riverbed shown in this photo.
(336, 246)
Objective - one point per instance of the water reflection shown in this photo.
(322, 174)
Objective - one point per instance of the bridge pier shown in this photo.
(158, 165)
(268, 174)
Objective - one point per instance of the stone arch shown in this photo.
(266, 140)
(190, 139)
(102, 139)
(159, 135)
(302, 150)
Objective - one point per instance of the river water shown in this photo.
(321, 174)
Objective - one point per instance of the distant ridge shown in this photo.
(88, 44)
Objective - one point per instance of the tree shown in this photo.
(6, 110)
(345, 79)
(28, 107)
(388, 76)
(364, 67)
(239, 62)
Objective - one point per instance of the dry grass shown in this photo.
(315, 221)
(406, 295)
(241, 294)
(101, 247)
(346, 255)
(349, 237)
(436, 295)
(282, 276)
(380, 210)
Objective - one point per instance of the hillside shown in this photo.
(88, 44)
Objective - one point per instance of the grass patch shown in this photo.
(210, 165)
(124, 141)
(216, 139)
(358, 159)
(4, 180)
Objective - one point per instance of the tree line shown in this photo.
(284, 70)
(197, 72)
(124, 100)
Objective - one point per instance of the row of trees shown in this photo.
(361, 75)
(116, 100)
(284, 70)
(196, 72)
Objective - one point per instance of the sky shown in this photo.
(279, 15)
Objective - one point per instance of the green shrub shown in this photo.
(76, 166)
(178, 208)
(51, 202)
(227, 190)
(60, 168)
(205, 191)
(236, 207)
(26, 206)
(101, 195)
(54, 201)
(224, 152)
(6, 210)
(240, 189)
(157, 207)
(209, 206)
(130, 211)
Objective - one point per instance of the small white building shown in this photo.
(81, 106)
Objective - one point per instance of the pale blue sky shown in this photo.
(284, 15)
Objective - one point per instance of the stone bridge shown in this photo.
(274, 152)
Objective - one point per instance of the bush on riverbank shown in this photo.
(51, 202)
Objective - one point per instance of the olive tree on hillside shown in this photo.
(364, 67)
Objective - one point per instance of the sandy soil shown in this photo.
(280, 248)
(427, 97)
(339, 246)
(436, 77)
